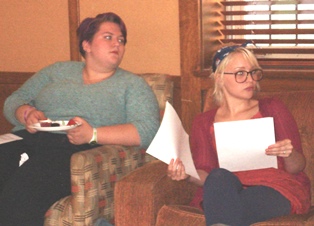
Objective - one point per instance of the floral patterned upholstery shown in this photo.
(162, 87)
(94, 172)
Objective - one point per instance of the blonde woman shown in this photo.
(246, 197)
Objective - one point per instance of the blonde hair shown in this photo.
(218, 94)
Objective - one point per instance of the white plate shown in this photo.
(63, 126)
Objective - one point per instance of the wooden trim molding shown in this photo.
(190, 54)
(14, 77)
(74, 21)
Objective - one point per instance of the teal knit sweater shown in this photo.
(58, 90)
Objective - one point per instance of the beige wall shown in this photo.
(153, 32)
(33, 34)
(36, 33)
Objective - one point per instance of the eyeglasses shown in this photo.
(241, 76)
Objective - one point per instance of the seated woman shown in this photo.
(246, 197)
(111, 106)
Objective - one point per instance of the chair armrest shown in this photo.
(93, 176)
(140, 195)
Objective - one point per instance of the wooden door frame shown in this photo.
(193, 86)
(74, 21)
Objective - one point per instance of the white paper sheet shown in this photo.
(241, 144)
(172, 142)
(8, 137)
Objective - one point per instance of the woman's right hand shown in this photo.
(176, 170)
(32, 116)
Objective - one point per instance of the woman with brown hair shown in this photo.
(108, 104)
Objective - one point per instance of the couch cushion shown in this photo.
(178, 215)
(290, 220)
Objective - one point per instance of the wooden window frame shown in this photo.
(212, 29)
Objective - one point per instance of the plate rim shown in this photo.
(54, 128)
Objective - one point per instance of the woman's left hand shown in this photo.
(281, 148)
(176, 170)
(81, 134)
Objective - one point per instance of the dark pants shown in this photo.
(28, 191)
(225, 201)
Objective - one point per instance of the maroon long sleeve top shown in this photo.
(295, 187)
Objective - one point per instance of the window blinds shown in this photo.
(280, 29)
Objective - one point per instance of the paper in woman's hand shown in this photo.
(172, 142)
(241, 144)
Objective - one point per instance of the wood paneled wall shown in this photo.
(9, 82)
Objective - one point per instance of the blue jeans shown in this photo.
(102, 222)
(225, 201)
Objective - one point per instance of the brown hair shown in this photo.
(90, 26)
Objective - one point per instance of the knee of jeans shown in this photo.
(217, 175)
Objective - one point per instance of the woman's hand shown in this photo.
(294, 161)
(81, 134)
(33, 116)
(282, 148)
(176, 170)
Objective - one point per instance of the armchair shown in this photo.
(95, 172)
(157, 200)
